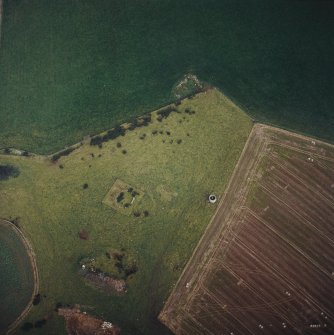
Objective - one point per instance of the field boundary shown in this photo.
(32, 258)
(198, 257)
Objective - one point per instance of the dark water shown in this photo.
(16, 277)
(68, 68)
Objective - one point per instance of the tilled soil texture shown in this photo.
(265, 264)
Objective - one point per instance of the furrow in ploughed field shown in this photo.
(319, 174)
(290, 263)
(295, 195)
(316, 244)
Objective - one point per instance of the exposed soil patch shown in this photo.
(106, 283)
(80, 323)
(265, 263)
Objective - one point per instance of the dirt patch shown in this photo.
(80, 323)
(106, 283)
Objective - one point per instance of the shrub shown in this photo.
(124, 151)
(37, 299)
(130, 270)
(59, 154)
(27, 326)
(120, 197)
(61, 166)
(8, 171)
(179, 141)
(165, 112)
(40, 323)
(146, 213)
(136, 214)
(84, 186)
(119, 144)
(58, 305)
(83, 234)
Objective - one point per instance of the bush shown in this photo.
(65, 152)
(84, 186)
(165, 112)
(27, 326)
(40, 323)
(58, 305)
(124, 152)
(120, 197)
(37, 299)
(8, 171)
(136, 214)
(146, 213)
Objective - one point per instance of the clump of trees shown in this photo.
(29, 325)
(165, 112)
(8, 171)
(121, 130)
(59, 154)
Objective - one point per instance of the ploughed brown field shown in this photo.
(265, 265)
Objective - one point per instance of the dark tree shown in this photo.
(40, 323)
(37, 299)
(120, 197)
(8, 171)
(27, 326)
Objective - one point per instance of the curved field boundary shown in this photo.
(32, 258)
(1, 11)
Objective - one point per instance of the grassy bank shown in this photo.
(70, 68)
(179, 161)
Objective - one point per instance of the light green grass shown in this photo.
(176, 179)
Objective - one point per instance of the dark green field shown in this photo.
(16, 285)
(68, 68)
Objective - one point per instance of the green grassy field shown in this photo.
(69, 68)
(175, 177)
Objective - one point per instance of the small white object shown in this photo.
(212, 198)
(83, 266)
